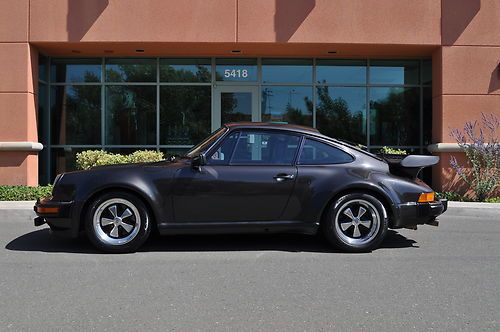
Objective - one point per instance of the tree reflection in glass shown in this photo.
(394, 116)
(341, 113)
(184, 114)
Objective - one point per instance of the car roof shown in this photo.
(273, 125)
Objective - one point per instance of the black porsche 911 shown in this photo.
(246, 177)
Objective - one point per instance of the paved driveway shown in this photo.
(445, 278)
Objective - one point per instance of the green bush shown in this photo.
(492, 200)
(144, 156)
(388, 150)
(90, 158)
(453, 196)
(24, 193)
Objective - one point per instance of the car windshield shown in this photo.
(200, 147)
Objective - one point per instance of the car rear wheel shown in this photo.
(118, 222)
(356, 223)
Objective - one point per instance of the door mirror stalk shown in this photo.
(198, 161)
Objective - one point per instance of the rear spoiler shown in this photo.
(411, 165)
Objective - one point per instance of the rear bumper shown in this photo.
(57, 215)
(412, 214)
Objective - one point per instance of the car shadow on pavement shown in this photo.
(41, 240)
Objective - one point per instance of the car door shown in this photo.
(248, 177)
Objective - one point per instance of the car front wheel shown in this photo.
(356, 223)
(118, 222)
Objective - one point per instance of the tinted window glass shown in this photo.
(184, 114)
(287, 104)
(76, 114)
(341, 71)
(317, 153)
(222, 155)
(185, 70)
(394, 116)
(286, 71)
(394, 72)
(75, 70)
(131, 70)
(130, 115)
(240, 70)
(341, 112)
(265, 148)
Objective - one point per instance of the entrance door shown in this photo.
(235, 104)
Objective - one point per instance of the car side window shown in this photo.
(265, 148)
(318, 153)
(223, 153)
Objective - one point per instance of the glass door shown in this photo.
(234, 104)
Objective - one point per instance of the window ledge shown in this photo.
(21, 146)
(444, 147)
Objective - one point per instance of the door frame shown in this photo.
(216, 105)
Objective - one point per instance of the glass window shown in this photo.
(427, 72)
(286, 71)
(223, 153)
(341, 71)
(185, 117)
(131, 70)
(318, 153)
(427, 116)
(341, 112)
(291, 104)
(237, 70)
(185, 70)
(265, 148)
(394, 116)
(130, 115)
(42, 68)
(76, 114)
(75, 70)
(206, 143)
(236, 106)
(64, 160)
(394, 72)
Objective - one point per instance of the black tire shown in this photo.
(106, 227)
(346, 214)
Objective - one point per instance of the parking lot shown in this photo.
(445, 278)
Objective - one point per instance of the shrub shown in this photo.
(91, 158)
(388, 150)
(24, 193)
(452, 196)
(143, 156)
(482, 150)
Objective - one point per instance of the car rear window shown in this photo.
(318, 153)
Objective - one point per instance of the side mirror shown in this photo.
(198, 161)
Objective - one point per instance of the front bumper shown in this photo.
(57, 215)
(413, 214)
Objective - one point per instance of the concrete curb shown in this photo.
(474, 205)
(16, 205)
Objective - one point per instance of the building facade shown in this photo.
(123, 75)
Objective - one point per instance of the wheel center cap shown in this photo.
(117, 220)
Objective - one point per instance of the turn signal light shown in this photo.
(51, 210)
(426, 197)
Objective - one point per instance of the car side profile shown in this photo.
(246, 178)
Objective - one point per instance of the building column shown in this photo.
(18, 82)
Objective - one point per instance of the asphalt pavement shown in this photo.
(445, 279)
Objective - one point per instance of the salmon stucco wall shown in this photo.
(18, 63)
(467, 75)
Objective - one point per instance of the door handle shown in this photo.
(282, 177)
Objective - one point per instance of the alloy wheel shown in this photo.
(357, 222)
(116, 221)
